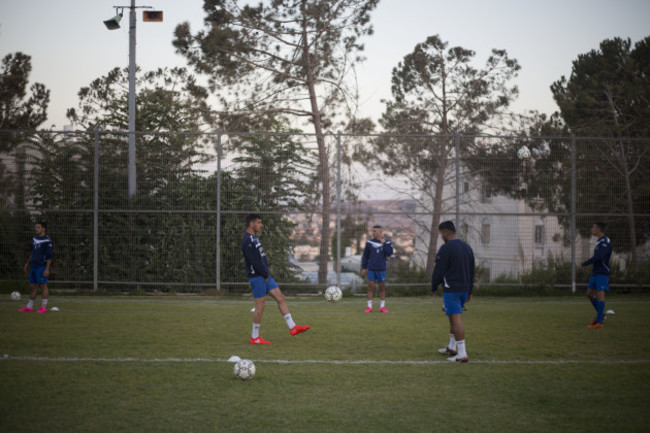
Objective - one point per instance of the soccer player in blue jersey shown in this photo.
(599, 281)
(261, 281)
(455, 271)
(374, 264)
(38, 266)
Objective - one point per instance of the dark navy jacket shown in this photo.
(454, 267)
(256, 265)
(41, 251)
(375, 255)
(600, 259)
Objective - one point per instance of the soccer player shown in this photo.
(261, 281)
(373, 263)
(455, 271)
(599, 281)
(38, 266)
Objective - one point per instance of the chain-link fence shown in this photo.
(528, 220)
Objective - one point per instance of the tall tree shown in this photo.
(20, 109)
(608, 96)
(282, 57)
(437, 91)
(277, 173)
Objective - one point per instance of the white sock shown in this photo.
(256, 331)
(382, 303)
(452, 342)
(461, 348)
(290, 321)
(30, 304)
(44, 303)
(369, 304)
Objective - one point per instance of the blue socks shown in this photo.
(600, 309)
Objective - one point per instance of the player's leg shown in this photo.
(454, 303)
(33, 288)
(382, 297)
(371, 291)
(45, 293)
(458, 331)
(279, 297)
(602, 286)
(259, 294)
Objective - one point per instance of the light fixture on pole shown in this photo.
(113, 24)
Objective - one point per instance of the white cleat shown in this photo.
(447, 351)
(458, 358)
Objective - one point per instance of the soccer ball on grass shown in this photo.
(333, 294)
(15, 296)
(523, 152)
(244, 369)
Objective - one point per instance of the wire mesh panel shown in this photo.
(527, 215)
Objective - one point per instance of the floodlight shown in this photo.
(113, 23)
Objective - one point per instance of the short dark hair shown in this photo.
(601, 226)
(447, 225)
(42, 223)
(252, 217)
(377, 227)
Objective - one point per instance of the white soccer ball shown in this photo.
(333, 294)
(523, 152)
(15, 296)
(244, 369)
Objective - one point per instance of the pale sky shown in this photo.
(70, 46)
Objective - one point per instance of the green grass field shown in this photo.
(159, 364)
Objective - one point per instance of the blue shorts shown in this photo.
(379, 276)
(36, 276)
(454, 302)
(599, 282)
(261, 287)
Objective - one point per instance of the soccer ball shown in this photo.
(333, 294)
(523, 152)
(15, 296)
(244, 369)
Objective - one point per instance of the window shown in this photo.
(486, 194)
(539, 235)
(485, 234)
(466, 187)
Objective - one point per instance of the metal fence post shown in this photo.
(338, 209)
(457, 144)
(218, 249)
(573, 214)
(96, 213)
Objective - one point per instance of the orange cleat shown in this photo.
(298, 329)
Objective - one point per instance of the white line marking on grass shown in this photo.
(7, 357)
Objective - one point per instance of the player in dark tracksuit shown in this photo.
(599, 281)
(261, 281)
(38, 266)
(455, 271)
(374, 265)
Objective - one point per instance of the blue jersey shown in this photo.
(41, 251)
(256, 265)
(376, 254)
(600, 259)
(454, 267)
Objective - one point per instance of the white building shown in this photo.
(507, 236)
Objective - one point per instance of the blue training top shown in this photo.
(256, 265)
(376, 254)
(600, 259)
(41, 251)
(454, 267)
